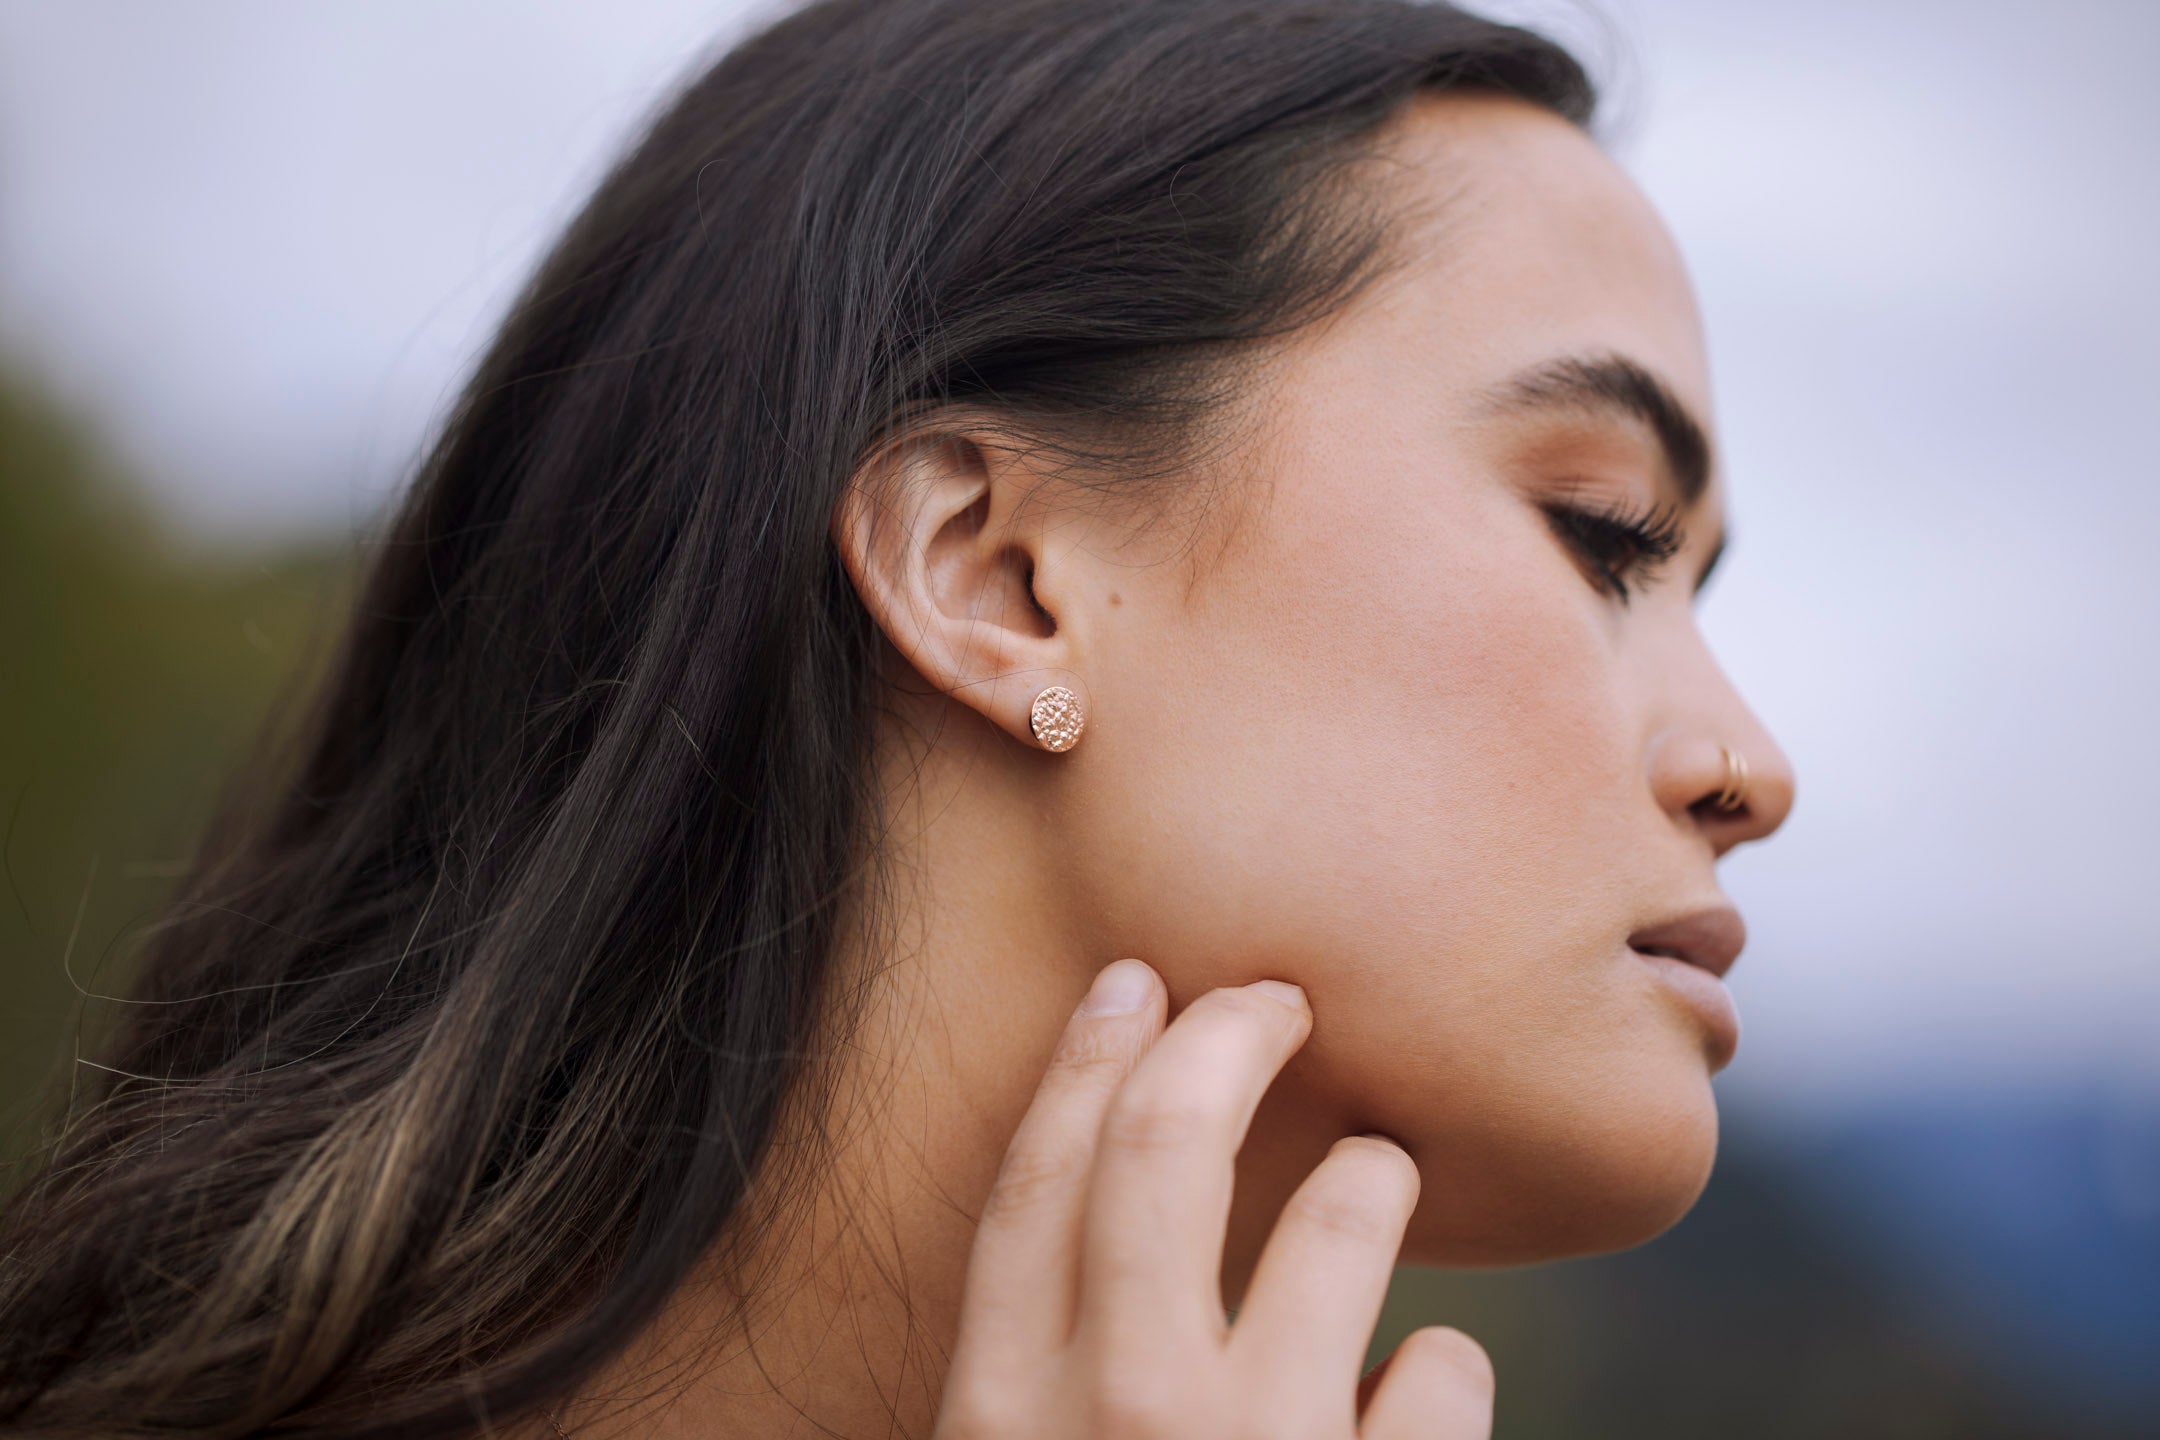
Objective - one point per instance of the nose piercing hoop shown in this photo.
(1734, 795)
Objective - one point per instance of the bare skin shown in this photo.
(1385, 735)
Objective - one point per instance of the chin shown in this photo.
(1597, 1179)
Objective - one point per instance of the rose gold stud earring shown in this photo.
(1734, 795)
(1055, 718)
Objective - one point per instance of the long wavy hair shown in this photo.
(480, 1011)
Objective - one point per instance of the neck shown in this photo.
(841, 1321)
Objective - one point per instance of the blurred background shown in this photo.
(247, 250)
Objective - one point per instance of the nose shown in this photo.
(1691, 776)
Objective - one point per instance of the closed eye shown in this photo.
(1618, 547)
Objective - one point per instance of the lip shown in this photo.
(1690, 954)
(1710, 938)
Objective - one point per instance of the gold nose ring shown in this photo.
(1734, 795)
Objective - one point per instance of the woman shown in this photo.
(982, 490)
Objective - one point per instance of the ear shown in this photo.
(946, 550)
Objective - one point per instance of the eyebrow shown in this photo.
(1615, 385)
(1618, 386)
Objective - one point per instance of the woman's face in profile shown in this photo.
(1407, 744)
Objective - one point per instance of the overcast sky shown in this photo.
(259, 242)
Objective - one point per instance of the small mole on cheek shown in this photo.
(1113, 597)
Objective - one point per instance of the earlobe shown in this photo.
(946, 554)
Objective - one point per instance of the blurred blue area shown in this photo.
(2028, 1228)
(1934, 1270)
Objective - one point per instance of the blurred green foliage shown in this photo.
(135, 673)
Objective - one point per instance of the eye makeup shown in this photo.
(1620, 546)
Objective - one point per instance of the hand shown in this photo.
(1093, 1303)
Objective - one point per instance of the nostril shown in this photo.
(1720, 787)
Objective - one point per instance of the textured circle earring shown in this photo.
(1055, 718)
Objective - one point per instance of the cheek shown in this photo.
(1402, 737)
(1396, 765)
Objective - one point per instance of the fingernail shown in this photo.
(1121, 989)
(1290, 995)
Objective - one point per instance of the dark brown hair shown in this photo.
(468, 1032)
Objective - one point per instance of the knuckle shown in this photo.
(1029, 1178)
(982, 1416)
(1345, 1211)
(1092, 1050)
(1441, 1347)
(1139, 1407)
(1149, 1124)
(1277, 1418)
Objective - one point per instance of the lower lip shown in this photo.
(1706, 998)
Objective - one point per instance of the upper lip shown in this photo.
(1710, 938)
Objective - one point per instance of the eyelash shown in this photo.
(1619, 544)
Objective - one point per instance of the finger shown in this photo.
(1151, 1266)
(1023, 1270)
(1316, 1293)
(1438, 1385)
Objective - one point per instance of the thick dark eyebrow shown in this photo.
(1616, 385)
